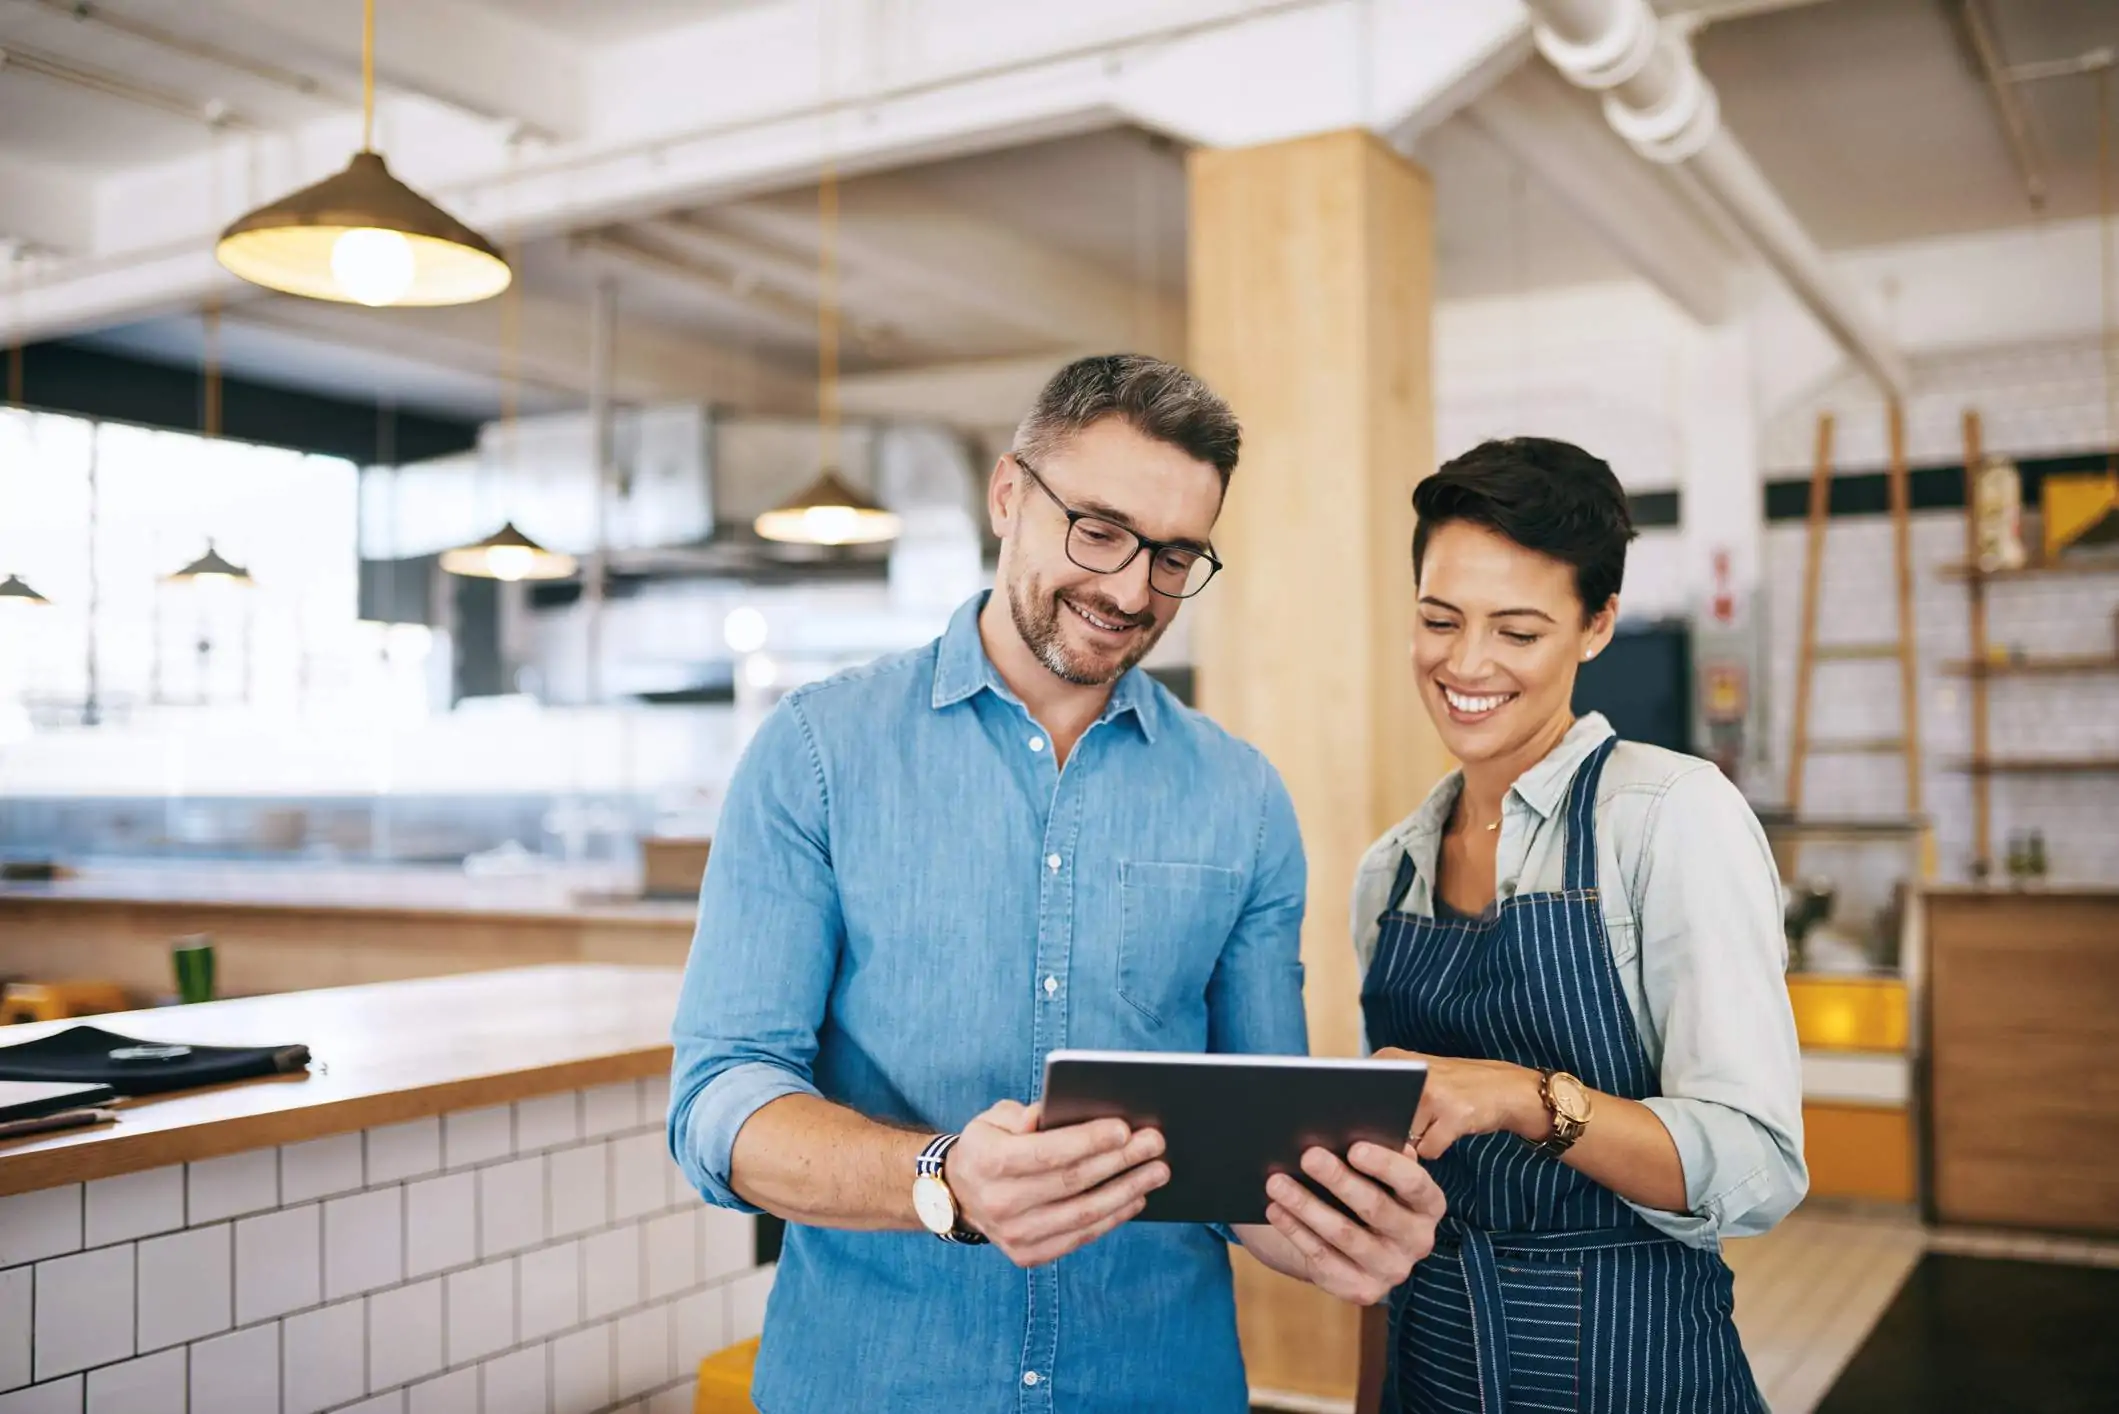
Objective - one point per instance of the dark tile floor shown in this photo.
(1985, 1336)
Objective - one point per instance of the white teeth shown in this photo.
(1100, 623)
(1465, 703)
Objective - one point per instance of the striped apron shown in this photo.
(1544, 1291)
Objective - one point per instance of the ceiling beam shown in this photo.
(986, 393)
(44, 210)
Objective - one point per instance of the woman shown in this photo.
(1582, 938)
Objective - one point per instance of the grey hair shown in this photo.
(1157, 399)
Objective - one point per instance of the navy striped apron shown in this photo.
(1545, 1291)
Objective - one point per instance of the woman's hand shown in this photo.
(1474, 1097)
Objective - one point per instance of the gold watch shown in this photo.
(1567, 1101)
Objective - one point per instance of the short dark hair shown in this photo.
(1545, 495)
(1156, 398)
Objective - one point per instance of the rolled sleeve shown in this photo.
(762, 958)
(1714, 979)
(1254, 1000)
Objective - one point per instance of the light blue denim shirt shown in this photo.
(908, 908)
(1692, 905)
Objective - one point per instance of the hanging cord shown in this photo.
(2105, 258)
(367, 75)
(827, 261)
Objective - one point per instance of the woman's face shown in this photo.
(1499, 636)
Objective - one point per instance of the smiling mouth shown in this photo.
(1097, 622)
(1467, 704)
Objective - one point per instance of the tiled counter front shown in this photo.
(543, 1257)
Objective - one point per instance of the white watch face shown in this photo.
(934, 1203)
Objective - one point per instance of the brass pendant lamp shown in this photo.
(14, 590)
(828, 511)
(211, 568)
(362, 236)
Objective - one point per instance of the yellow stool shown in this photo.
(56, 1001)
(724, 1380)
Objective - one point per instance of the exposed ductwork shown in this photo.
(1658, 100)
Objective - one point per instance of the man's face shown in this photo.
(1085, 627)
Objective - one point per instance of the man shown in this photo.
(932, 872)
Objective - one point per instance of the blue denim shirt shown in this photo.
(908, 908)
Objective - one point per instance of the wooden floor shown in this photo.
(1809, 1292)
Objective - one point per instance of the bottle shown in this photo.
(2034, 857)
(1997, 504)
(2018, 858)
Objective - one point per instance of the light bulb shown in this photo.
(372, 265)
(744, 630)
(831, 525)
(759, 671)
(510, 562)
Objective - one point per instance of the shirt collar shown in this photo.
(1543, 788)
(962, 670)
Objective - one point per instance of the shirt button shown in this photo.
(1052, 986)
(1030, 1377)
(1052, 862)
(1037, 743)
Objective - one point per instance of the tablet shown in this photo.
(1231, 1122)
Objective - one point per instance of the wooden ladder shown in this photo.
(1902, 647)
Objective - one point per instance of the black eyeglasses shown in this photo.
(1103, 546)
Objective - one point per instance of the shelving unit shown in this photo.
(1983, 667)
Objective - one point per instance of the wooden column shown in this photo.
(1312, 284)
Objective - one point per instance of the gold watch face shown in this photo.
(1570, 1098)
(935, 1205)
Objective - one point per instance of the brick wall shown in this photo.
(538, 1258)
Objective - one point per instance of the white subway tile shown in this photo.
(481, 1311)
(728, 1242)
(153, 1384)
(14, 1327)
(133, 1205)
(609, 1109)
(581, 1372)
(45, 1222)
(516, 1382)
(239, 1373)
(58, 1397)
(278, 1263)
(187, 1286)
(699, 1326)
(643, 1340)
(232, 1185)
(325, 1357)
(400, 1151)
(747, 1297)
(655, 1099)
(610, 1272)
(320, 1168)
(581, 1190)
(84, 1311)
(638, 1184)
(453, 1394)
(441, 1223)
(364, 1242)
(478, 1136)
(511, 1207)
(551, 1290)
(672, 1254)
(404, 1334)
(675, 1401)
(547, 1121)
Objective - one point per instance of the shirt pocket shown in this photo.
(1173, 920)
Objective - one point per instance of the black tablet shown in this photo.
(1231, 1122)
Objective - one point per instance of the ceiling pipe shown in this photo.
(1658, 100)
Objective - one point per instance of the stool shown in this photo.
(56, 1001)
(724, 1380)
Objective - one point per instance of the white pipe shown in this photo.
(1658, 100)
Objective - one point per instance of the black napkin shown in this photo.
(82, 1055)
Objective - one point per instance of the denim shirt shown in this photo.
(1691, 902)
(909, 906)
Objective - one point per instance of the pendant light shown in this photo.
(508, 554)
(828, 511)
(362, 236)
(14, 590)
(211, 568)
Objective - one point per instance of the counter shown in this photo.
(278, 928)
(471, 1187)
(2021, 1015)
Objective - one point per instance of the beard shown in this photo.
(1037, 611)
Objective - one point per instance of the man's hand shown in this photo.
(1036, 1196)
(1398, 1205)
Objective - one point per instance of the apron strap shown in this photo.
(1401, 885)
(1582, 820)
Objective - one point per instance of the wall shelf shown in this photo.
(2073, 565)
(2053, 665)
(2037, 765)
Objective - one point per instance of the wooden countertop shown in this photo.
(2027, 891)
(382, 1053)
(395, 893)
